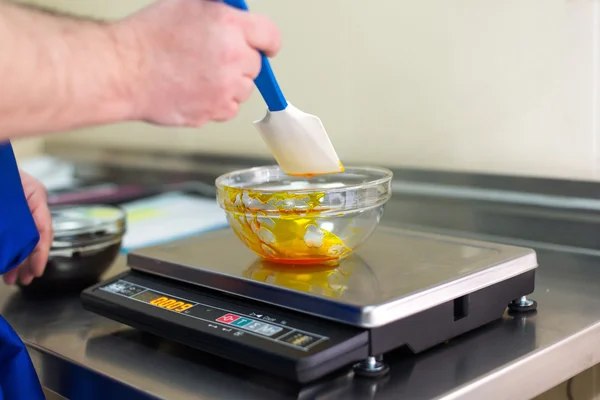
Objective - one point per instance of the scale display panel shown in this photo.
(257, 324)
(281, 341)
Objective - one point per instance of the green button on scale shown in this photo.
(242, 322)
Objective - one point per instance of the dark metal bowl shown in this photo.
(67, 274)
(84, 248)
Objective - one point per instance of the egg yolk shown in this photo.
(293, 235)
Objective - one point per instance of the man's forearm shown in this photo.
(59, 73)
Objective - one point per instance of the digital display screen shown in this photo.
(163, 301)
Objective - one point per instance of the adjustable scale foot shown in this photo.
(522, 304)
(371, 367)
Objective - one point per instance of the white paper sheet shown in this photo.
(167, 217)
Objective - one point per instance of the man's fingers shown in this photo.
(227, 112)
(252, 63)
(25, 275)
(244, 90)
(11, 276)
(43, 221)
(263, 34)
(36, 262)
(39, 257)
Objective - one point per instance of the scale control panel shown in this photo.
(278, 340)
(220, 319)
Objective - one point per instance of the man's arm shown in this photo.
(177, 62)
(58, 72)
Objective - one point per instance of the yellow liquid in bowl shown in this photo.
(291, 236)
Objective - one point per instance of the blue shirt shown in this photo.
(18, 238)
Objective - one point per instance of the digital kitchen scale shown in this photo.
(401, 288)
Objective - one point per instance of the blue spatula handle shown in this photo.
(265, 81)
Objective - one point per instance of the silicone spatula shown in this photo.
(297, 140)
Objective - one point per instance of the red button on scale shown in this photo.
(228, 318)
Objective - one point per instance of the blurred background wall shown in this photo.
(507, 87)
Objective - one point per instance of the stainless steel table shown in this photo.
(76, 351)
(81, 355)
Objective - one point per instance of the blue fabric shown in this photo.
(18, 238)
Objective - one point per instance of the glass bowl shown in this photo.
(304, 220)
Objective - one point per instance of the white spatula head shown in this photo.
(299, 142)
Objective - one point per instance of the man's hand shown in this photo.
(34, 265)
(196, 60)
(176, 63)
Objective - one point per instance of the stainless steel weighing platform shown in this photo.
(400, 289)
